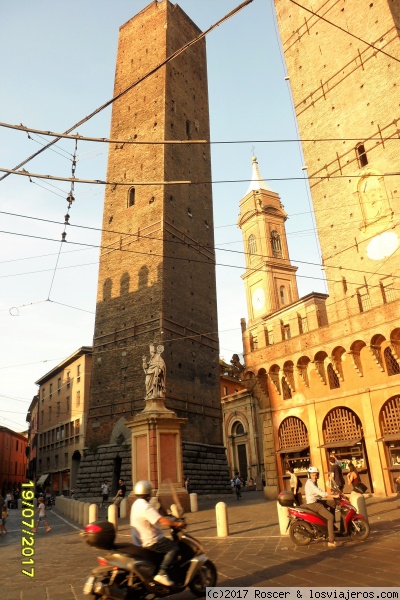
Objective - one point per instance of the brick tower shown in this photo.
(157, 275)
(346, 91)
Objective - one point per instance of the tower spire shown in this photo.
(257, 182)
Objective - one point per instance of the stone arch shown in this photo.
(341, 424)
(395, 341)
(274, 375)
(263, 380)
(302, 368)
(119, 430)
(355, 350)
(249, 375)
(337, 360)
(292, 432)
(288, 370)
(238, 431)
(376, 348)
(392, 366)
(319, 361)
(389, 417)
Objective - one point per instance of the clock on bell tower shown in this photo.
(270, 278)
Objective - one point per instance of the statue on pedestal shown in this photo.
(155, 373)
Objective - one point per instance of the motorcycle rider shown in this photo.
(318, 501)
(146, 530)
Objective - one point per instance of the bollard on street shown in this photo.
(86, 514)
(113, 515)
(194, 507)
(221, 511)
(283, 519)
(123, 508)
(358, 501)
(93, 513)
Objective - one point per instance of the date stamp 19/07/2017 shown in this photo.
(27, 529)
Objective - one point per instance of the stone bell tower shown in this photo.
(157, 264)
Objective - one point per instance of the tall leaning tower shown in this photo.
(347, 100)
(157, 265)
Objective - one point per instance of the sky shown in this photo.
(57, 65)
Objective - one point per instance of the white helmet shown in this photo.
(312, 470)
(142, 488)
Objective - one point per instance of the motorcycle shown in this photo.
(127, 572)
(305, 525)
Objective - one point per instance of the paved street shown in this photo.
(253, 554)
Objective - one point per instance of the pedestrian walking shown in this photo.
(104, 492)
(238, 485)
(295, 485)
(42, 515)
(4, 515)
(336, 473)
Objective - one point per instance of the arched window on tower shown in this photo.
(252, 246)
(131, 197)
(392, 365)
(361, 155)
(276, 244)
(332, 377)
(283, 295)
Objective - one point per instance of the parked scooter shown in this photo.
(305, 525)
(128, 571)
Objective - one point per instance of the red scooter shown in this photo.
(306, 525)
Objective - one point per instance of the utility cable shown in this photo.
(136, 142)
(345, 31)
(133, 85)
(193, 260)
(70, 200)
(195, 246)
(320, 178)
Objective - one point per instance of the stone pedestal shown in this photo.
(157, 448)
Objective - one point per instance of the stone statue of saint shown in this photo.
(155, 373)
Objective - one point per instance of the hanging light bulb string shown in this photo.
(70, 201)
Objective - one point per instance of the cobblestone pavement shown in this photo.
(254, 554)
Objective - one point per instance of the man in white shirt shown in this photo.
(317, 500)
(146, 530)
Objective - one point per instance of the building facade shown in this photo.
(331, 366)
(62, 405)
(157, 265)
(13, 460)
(33, 437)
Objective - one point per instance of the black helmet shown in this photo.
(142, 489)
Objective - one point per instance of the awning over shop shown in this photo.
(341, 444)
(42, 479)
(390, 437)
(292, 450)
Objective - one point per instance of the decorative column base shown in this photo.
(157, 449)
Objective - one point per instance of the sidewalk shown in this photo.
(254, 554)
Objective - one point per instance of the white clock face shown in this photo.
(258, 298)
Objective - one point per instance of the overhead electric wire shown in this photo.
(177, 142)
(345, 31)
(134, 84)
(181, 242)
(180, 258)
(25, 173)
